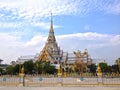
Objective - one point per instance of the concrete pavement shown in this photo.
(60, 88)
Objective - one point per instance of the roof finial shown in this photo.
(51, 26)
(51, 17)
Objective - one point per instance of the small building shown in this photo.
(23, 59)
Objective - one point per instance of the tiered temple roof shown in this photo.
(51, 52)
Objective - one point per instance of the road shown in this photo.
(60, 88)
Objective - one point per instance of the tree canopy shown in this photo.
(32, 68)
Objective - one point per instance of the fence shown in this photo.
(9, 80)
(58, 81)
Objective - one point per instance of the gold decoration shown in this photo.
(59, 71)
(99, 72)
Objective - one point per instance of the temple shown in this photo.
(51, 51)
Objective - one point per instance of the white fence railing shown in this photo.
(55, 81)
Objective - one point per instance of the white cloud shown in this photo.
(86, 36)
(114, 7)
(39, 8)
(12, 47)
(34, 9)
(112, 41)
(35, 41)
(7, 40)
(115, 40)
(9, 47)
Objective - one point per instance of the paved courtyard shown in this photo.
(60, 88)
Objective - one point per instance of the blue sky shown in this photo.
(78, 24)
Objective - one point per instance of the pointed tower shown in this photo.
(51, 41)
(51, 51)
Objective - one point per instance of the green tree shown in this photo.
(109, 69)
(17, 68)
(118, 63)
(92, 68)
(42, 67)
(1, 71)
(104, 67)
(49, 69)
(39, 67)
(29, 67)
(115, 68)
(10, 70)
